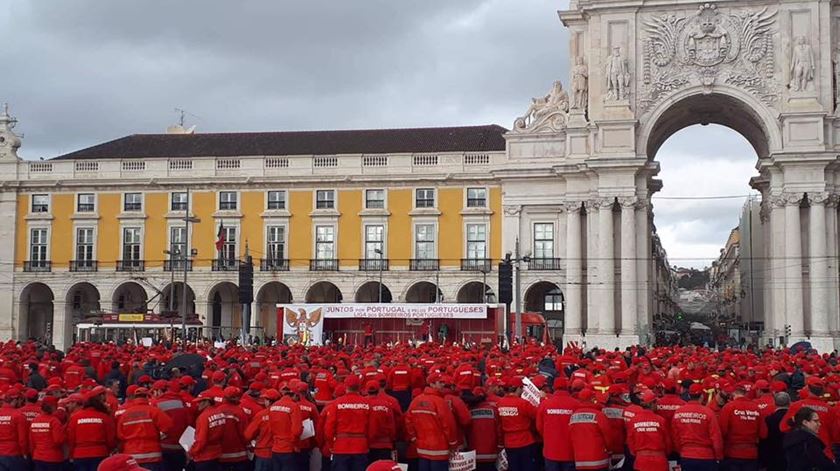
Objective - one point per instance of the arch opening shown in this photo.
(129, 297)
(36, 312)
(225, 313)
(172, 295)
(369, 293)
(423, 292)
(476, 292)
(268, 297)
(323, 292)
(82, 302)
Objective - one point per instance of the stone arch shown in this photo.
(471, 292)
(323, 292)
(727, 106)
(223, 309)
(422, 292)
(368, 292)
(82, 301)
(176, 293)
(268, 296)
(547, 297)
(129, 297)
(36, 312)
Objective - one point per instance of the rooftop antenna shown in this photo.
(179, 128)
(182, 113)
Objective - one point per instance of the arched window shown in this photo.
(554, 300)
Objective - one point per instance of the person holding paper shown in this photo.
(430, 427)
(259, 431)
(234, 446)
(139, 429)
(517, 418)
(286, 426)
(209, 433)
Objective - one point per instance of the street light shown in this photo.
(172, 281)
(379, 251)
(187, 220)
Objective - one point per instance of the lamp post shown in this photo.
(187, 220)
(172, 280)
(379, 251)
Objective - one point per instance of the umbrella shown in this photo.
(800, 346)
(187, 361)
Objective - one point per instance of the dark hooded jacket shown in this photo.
(804, 452)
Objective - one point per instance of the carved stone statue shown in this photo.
(836, 60)
(802, 66)
(546, 112)
(618, 76)
(580, 84)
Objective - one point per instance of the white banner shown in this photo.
(304, 322)
(530, 392)
(395, 311)
(462, 461)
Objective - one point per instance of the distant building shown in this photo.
(753, 265)
(725, 279)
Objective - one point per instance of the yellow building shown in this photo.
(323, 214)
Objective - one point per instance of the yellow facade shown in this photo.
(450, 202)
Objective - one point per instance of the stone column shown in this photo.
(573, 309)
(629, 286)
(793, 267)
(593, 293)
(818, 265)
(644, 297)
(606, 268)
(62, 336)
(776, 279)
(833, 275)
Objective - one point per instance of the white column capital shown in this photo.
(820, 199)
(793, 198)
(628, 202)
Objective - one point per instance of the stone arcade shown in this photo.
(766, 69)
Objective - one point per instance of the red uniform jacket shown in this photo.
(209, 433)
(696, 433)
(234, 445)
(485, 432)
(90, 434)
(742, 426)
(399, 378)
(615, 417)
(46, 438)
(320, 438)
(591, 438)
(309, 411)
(259, 430)
(286, 425)
(827, 420)
(465, 377)
(325, 385)
(30, 411)
(553, 417)
(430, 426)
(350, 428)
(517, 417)
(14, 432)
(139, 429)
(383, 431)
(176, 409)
(461, 413)
(649, 441)
(667, 405)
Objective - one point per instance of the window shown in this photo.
(84, 244)
(131, 244)
(38, 245)
(476, 241)
(85, 203)
(229, 248)
(375, 199)
(133, 202)
(40, 203)
(325, 199)
(424, 198)
(424, 241)
(177, 242)
(324, 242)
(476, 197)
(276, 245)
(276, 200)
(554, 300)
(374, 238)
(179, 201)
(544, 240)
(227, 200)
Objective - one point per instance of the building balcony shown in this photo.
(131, 265)
(224, 264)
(274, 264)
(373, 264)
(37, 266)
(327, 264)
(424, 264)
(476, 264)
(177, 265)
(545, 264)
(84, 265)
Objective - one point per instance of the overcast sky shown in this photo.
(81, 72)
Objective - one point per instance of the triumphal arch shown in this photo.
(643, 70)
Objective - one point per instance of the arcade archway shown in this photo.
(369, 293)
(36, 312)
(323, 292)
(423, 292)
(268, 297)
(129, 297)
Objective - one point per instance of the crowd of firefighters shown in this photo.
(292, 408)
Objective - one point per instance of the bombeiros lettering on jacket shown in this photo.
(650, 426)
(691, 417)
(278, 408)
(381, 409)
(482, 414)
(508, 411)
(86, 420)
(217, 420)
(354, 406)
(746, 414)
(559, 411)
(40, 425)
(583, 418)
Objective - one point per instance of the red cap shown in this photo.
(513, 382)
(778, 386)
(372, 386)
(232, 392)
(647, 396)
(119, 462)
(299, 386)
(138, 392)
(129, 391)
(384, 465)
(50, 400)
(352, 382)
(560, 382)
(256, 386)
(479, 391)
(695, 389)
(204, 396)
(762, 385)
(539, 381)
(270, 394)
(218, 377)
(30, 394)
(186, 380)
(814, 381)
(144, 379)
(160, 385)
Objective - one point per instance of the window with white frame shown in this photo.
(84, 244)
(476, 197)
(133, 202)
(424, 241)
(179, 201)
(132, 244)
(544, 240)
(227, 200)
(324, 242)
(40, 203)
(38, 244)
(374, 240)
(553, 300)
(325, 199)
(374, 199)
(276, 200)
(177, 242)
(275, 242)
(86, 203)
(476, 241)
(424, 198)
(229, 248)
